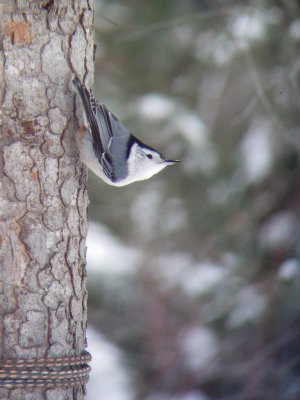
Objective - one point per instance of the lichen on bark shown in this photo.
(43, 197)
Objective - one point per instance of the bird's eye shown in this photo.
(150, 156)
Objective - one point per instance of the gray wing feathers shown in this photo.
(110, 137)
(118, 147)
(105, 130)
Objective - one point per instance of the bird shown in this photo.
(108, 148)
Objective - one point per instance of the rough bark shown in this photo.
(43, 198)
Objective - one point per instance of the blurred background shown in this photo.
(194, 275)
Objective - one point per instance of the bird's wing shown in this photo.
(115, 139)
(109, 136)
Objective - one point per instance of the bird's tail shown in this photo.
(84, 94)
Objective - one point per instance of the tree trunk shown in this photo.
(43, 197)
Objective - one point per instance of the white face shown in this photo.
(144, 163)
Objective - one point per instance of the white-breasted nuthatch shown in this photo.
(110, 150)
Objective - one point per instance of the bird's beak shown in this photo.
(170, 162)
